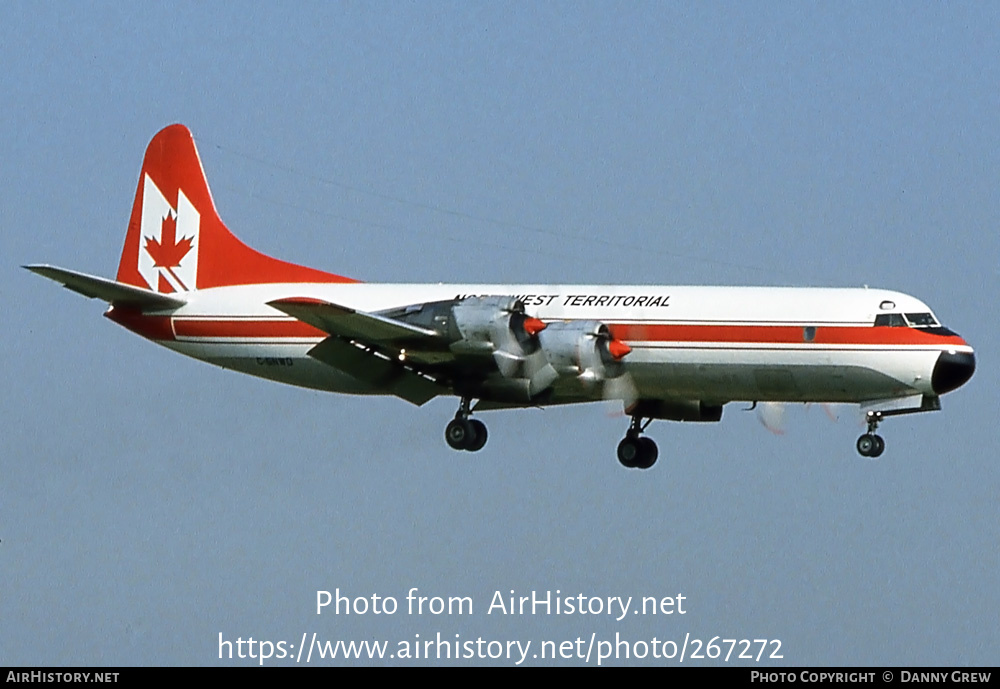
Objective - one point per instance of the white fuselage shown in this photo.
(716, 344)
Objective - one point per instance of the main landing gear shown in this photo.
(463, 433)
(871, 444)
(636, 451)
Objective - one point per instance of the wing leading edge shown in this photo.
(343, 321)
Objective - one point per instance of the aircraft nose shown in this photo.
(952, 371)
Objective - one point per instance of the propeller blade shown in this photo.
(620, 393)
(541, 379)
(772, 416)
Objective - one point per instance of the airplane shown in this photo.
(676, 353)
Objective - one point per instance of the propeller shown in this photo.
(772, 414)
(518, 352)
(618, 388)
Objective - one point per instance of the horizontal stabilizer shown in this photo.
(382, 373)
(113, 292)
(346, 322)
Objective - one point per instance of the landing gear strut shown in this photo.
(871, 444)
(636, 451)
(463, 433)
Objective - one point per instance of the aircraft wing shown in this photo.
(350, 323)
(362, 344)
(113, 292)
(380, 372)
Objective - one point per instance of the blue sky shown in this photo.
(151, 502)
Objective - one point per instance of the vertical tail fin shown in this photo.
(176, 241)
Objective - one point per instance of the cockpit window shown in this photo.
(893, 320)
(921, 320)
(925, 322)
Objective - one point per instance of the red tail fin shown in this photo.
(176, 241)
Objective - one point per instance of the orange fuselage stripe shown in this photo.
(223, 328)
(271, 328)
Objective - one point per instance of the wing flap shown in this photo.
(113, 292)
(352, 324)
(373, 332)
(378, 371)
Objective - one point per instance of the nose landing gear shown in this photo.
(871, 444)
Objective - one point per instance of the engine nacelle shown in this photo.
(483, 321)
(498, 326)
(584, 349)
(529, 354)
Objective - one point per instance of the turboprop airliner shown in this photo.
(675, 353)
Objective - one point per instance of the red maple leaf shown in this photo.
(168, 252)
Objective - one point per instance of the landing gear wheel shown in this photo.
(648, 452)
(870, 445)
(637, 453)
(476, 444)
(458, 433)
(629, 452)
(466, 434)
